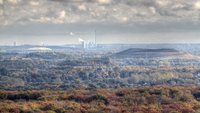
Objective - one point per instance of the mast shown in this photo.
(95, 38)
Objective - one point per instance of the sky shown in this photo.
(58, 22)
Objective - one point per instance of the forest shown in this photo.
(64, 71)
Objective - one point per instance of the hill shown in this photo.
(151, 53)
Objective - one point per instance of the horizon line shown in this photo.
(99, 44)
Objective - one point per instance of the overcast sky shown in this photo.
(115, 21)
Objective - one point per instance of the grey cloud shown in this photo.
(97, 11)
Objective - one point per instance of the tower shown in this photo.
(14, 43)
(95, 39)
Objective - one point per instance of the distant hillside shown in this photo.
(149, 53)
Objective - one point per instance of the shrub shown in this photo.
(24, 96)
(3, 96)
(197, 96)
(120, 94)
(98, 97)
(76, 98)
(50, 107)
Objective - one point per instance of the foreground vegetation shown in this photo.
(158, 99)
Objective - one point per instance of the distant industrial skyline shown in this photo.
(115, 21)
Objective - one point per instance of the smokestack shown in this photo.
(95, 40)
(14, 43)
(84, 43)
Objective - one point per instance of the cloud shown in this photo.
(34, 3)
(62, 14)
(1, 12)
(82, 7)
(104, 1)
(42, 20)
(98, 11)
(14, 1)
(163, 3)
(153, 10)
(197, 5)
(1, 2)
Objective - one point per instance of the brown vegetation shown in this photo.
(160, 99)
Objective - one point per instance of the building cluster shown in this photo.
(86, 44)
